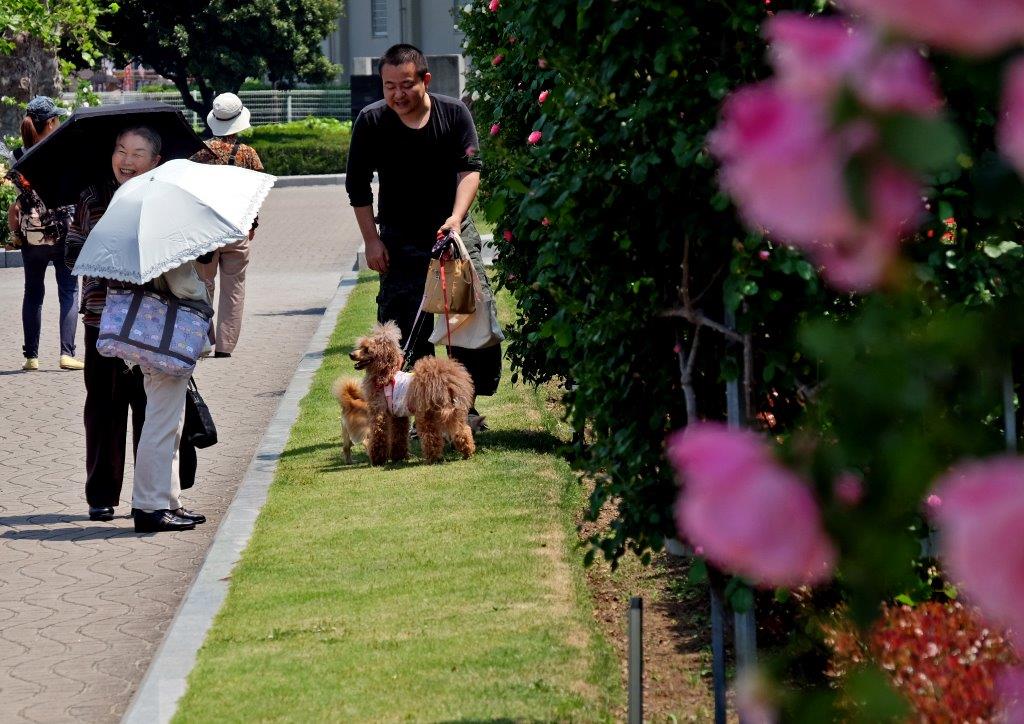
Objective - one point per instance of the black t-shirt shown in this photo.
(417, 168)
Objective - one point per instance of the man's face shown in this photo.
(404, 91)
(133, 155)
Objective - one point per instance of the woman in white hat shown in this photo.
(226, 120)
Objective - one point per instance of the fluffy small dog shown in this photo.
(438, 393)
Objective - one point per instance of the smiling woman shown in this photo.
(136, 151)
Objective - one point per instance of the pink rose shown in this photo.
(545, 221)
(494, 5)
(543, 96)
(496, 60)
(898, 80)
(815, 55)
(848, 489)
(1010, 689)
(542, 63)
(750, 515)
(979, 525)
(819, 56)
(971, 27)
(933, 501)
(507, 235)
(764, 255)
(781, 165)
(495, 129)
(534, 138)
(1010, 133)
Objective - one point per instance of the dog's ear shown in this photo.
(391, 332)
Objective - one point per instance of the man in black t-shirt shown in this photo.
(423, 147)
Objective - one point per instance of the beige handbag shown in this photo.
(451, 288)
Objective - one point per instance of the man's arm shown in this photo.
(376, 252)
(469, 184)
(358, 176)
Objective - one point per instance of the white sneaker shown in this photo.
(31, 364)
(67, 362)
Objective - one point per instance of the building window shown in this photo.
(379, 18)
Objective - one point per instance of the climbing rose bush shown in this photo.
(748, 513)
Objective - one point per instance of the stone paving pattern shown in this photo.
(83, 605)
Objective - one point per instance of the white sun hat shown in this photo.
(228, 115)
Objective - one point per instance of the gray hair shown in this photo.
(146, 133)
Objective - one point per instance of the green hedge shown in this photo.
(309, 146)
(8, 194)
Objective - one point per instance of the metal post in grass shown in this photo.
(718, 650)
(636, 660)
(1009, 412)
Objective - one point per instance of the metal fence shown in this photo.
(265, 106)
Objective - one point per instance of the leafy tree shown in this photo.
(217, 45)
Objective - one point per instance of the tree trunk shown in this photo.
(29, 71)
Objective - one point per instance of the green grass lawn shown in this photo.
(429, 593)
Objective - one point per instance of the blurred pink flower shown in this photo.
(1010, 133)
(971, 27)
(764, 255)
(496, 60)
(815, 55)
(751, 515)
(979, 525)
(1010, 689)
(495, 129)
(848, 489)
(781, 165)
(543, 96)
(898, 79)
(542, 63)
(933, 501)
(494, 5)
(507, 235)
(470, 151)
(534, 138)
(545, 221)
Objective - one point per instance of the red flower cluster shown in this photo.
(940, 656)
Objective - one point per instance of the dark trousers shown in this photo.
(401, 291)
(111, 390)
(36, 259)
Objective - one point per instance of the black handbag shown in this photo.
(198, 429)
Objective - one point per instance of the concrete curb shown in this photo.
(328, 179)
(10, 258)
(156, 699)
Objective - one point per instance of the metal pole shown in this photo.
(288, 104)
(1009, 413)
(636, 660)
(718, 652)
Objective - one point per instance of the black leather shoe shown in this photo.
(190, 515)
(104, 512)
(221, 355)
(158, 521)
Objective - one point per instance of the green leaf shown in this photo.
(926, 145)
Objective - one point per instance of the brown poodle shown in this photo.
(438, 393)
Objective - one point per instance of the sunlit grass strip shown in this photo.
(417, 592)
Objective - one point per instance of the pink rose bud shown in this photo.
(763, 254)
(494, 5)
(542, 64)
(495, 129)
(543, 96)
(933, 501)
(677, 348)
(496, 60)
(848, 489)
(507, 235)
(534, 138)
(545, 221)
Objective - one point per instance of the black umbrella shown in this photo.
(77, 154)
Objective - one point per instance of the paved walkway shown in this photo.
(84, 605)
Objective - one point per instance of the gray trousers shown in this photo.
(156, 485)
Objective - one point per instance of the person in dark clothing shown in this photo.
(40, 232)
(424, 148)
